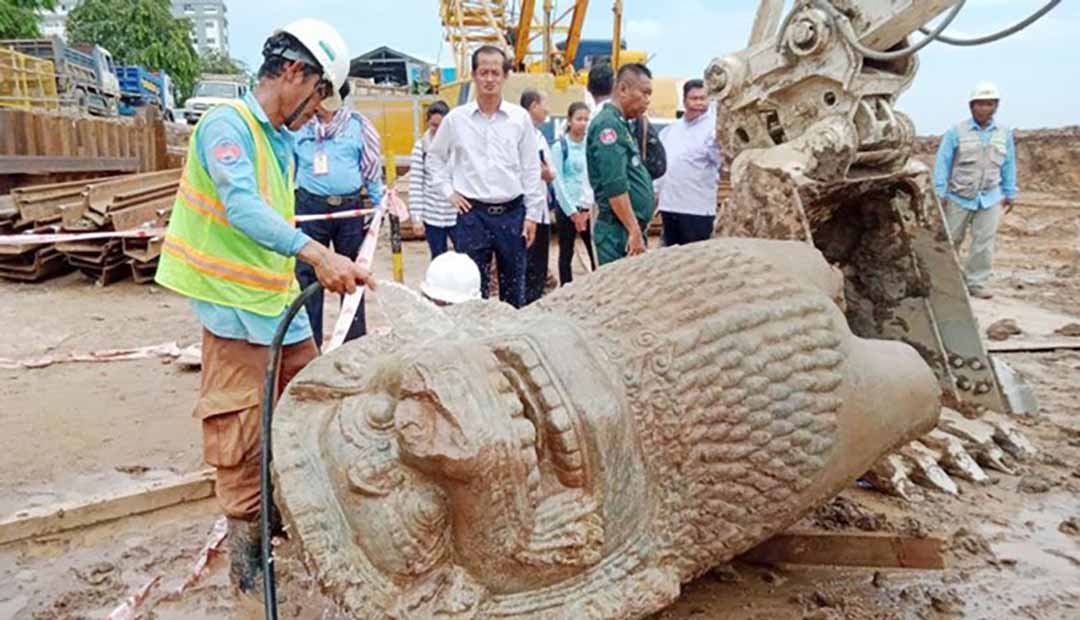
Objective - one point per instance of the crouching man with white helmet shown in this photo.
(975, 177)
(451, 278)
(231, 248)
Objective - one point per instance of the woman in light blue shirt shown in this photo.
(572, 190)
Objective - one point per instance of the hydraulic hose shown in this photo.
(266, 500)
(1001, 34)
(844, 24)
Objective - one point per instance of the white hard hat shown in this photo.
(326, 46)
(985, 90)
(452, 278)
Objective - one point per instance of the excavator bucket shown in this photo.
(818, 152)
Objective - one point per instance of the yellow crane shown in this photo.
(515, 26)
(527, 30)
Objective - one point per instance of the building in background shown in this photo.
(209, 23)
(54, 23)
(389, 67)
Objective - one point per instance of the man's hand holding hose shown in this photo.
(336, 273)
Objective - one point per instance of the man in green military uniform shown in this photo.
(619, 179)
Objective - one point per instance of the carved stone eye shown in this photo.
(380, 413)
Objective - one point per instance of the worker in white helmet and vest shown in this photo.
(451, 278)
(231, 248)
(975, 178)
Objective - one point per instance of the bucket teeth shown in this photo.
(993, 457)
(925, 468)
(959, 448)
(891, 475)
(978, 438)
(1011, 440)
(955, 458)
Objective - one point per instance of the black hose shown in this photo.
(1001, 34)
(844, 24)
(266, 500)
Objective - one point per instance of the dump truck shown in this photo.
(140, 87)
(85, 77)
(211, 90)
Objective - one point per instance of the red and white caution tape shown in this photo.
(129, 609)
(340, 215)
(139, 233)
(166, 350)
(207, 555)
(391, 204)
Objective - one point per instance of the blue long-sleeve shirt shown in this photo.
(226, 149)
(345, 154)
(571, 182)
(944, 164)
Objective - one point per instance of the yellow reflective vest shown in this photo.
(205, 257)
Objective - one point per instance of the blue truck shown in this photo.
(84, 77)
(140, 87)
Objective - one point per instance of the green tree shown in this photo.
(215, 61)
(19, 20)
(138, 32)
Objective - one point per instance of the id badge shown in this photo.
(322, 164)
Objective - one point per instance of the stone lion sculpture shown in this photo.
(584, 457)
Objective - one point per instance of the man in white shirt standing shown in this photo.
(486, 152)
(687, 193)
(538, 233)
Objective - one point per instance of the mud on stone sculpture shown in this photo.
(583, 458)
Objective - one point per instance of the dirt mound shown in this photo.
(842, 513)
(1047, 160)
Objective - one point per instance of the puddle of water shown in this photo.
(1035, 546)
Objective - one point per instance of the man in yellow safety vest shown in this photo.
(231, 248)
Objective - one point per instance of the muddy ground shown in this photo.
(78, 430)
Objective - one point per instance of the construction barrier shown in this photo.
(37, 144)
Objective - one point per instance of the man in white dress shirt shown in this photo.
(687, 193)
(486, 153)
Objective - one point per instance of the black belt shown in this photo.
(333, 201)
(498, 208)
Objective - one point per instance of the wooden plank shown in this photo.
(869, 549)
(125, 141)
(101, 129)
(87, 143)
(67, 137)
(7, 132)
(1033, 346)
(144, 498)
(22, 130)
(37, 125)
(114, 140)
(159, 140)
(41, 164)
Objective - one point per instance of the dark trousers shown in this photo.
(480, 234)
(437, 239)
(345, 236)
(536, 268)
(568, 235)
(680, 228)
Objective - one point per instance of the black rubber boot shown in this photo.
(245, 558)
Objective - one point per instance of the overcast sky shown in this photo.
(1037, 70)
